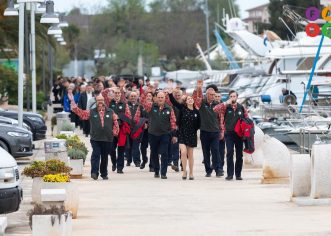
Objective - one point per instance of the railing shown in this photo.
(306, 139)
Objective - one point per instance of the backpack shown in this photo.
(245, 129)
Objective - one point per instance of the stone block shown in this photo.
(300, 177)
(3, 225)
(53, 195)
(52, 225)
(77, 167)
(321, 171)
(276, 162)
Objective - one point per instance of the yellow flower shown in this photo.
(58, 178)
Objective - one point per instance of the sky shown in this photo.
(93, 5)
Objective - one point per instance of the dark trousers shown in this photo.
(132, 153)
(100, 150)
(210, 144)
(143, 148)
(173, 153)
(86, 127)
(119, 161)
(222, 151)
(159, 145)
(233, 140)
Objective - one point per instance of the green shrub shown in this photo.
(41, 168)
(66, 126)
(61, 136)
(76, 154)
(73, 144)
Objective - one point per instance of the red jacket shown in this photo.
(123, 134)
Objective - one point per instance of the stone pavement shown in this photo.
(137, 204)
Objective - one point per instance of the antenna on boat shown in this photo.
(281, 19)
(204, 58)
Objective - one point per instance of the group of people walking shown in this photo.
(125, 120)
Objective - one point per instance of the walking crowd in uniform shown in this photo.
(124, 118)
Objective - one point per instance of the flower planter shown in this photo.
(36, 188)
(77, 168)
(68, 133)
(72, 199)
(52, 225)
(56, 149)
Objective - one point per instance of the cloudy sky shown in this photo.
(93, 5)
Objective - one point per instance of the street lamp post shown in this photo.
(20, 63)
(206, 11)
(33, 58)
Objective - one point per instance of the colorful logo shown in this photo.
(313, 29)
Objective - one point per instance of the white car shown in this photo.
(11, 193)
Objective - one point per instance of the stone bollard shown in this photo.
(3, 225)
(255, 160)
(321, 171)
(56, 149)
(300, 177)
(276, 161)
(52, 225)
(61, 118)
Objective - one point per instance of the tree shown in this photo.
(125, 56)
(276, 10)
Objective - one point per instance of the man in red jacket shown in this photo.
(229, 113)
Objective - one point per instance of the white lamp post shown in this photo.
(50, 17)
(33, 51)
(54, 29)
(10, 10)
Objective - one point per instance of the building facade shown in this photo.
(256, 16)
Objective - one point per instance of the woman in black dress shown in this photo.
(188, 125)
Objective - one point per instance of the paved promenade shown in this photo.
(137, 204)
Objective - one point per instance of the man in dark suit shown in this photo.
(82, 104)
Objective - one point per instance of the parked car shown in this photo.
(16, 140)
(10, 121)
(10, 191)
(34, 121)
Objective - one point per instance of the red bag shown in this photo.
(245, 129)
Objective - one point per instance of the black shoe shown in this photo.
(128, 164)
(191, 178)
(175, 168)
(156, 176)
(164, 177)
(219, 174)
(184, 177)
(239, 178)
(105, 178)
(137, 164)
(222, 172)
(208, 175)
(151, 169)
(113, 168)
(229, 178)
(120, 172)
(94, 176)
(142, 166)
